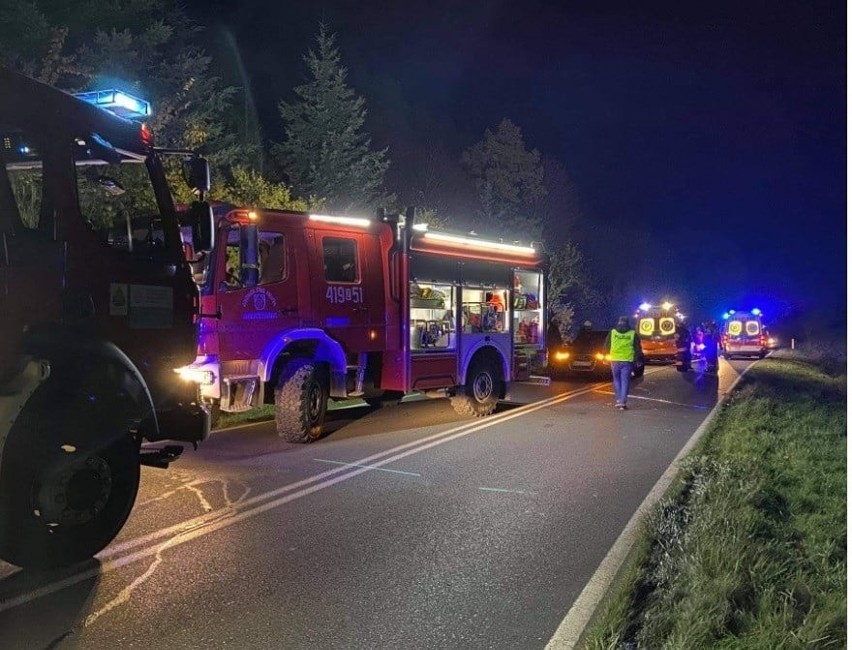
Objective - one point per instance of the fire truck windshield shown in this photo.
(115, 189)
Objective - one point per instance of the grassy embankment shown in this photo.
(748, 549)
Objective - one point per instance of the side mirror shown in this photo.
(196, 171)
(199, 217)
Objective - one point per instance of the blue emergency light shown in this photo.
(118, 102)
(755, 312)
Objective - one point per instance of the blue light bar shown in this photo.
(118, 102)
(726, 316)
(644, 306)
(755, 311)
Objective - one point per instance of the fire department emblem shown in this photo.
(259, 304)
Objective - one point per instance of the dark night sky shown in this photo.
(706, 140)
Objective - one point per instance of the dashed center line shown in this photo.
(654, 399)
(490, 489)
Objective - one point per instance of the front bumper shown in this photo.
(185, 422)
(181, 414)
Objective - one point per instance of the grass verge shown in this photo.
(748, 549)
(259, 414)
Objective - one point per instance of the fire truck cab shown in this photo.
(97, 308)
(301, 308)
(743, 334)
(656, 326)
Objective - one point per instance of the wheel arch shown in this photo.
(310, 343)
(68, 351)
(489, 354)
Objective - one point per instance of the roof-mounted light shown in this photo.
(755, 312)
(667, 305)
(118, 102)
(644, 306)
(479, 244)
(360, 222)
(726, 316)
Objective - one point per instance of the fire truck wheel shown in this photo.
(480, 393)
(301, 400)
(68, 483)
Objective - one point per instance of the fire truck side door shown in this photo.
(348, 288)
(256, 291)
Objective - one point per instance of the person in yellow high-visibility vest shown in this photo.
(624, 348)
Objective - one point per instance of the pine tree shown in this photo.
(325, 153)
(509, 180)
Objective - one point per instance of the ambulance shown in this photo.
(656, 326)
(743, 334)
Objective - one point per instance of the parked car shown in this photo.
(586, 354)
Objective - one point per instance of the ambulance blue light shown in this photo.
(726, 316)
(644, 306)
(118, 102)
(755, 311)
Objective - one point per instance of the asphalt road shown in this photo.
(403, 527)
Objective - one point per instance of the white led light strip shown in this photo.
(348, 221)
(480, 243)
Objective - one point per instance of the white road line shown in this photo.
(571, 628)
(654, 399)
(490, 489)
(381, 469)
(214, 521)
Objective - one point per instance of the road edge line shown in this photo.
(572, 627)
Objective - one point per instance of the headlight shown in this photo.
(599, 356)
(561, 356)
(196, 375)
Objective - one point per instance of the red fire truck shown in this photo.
(93, 318)
(298, 308)
(656, 326)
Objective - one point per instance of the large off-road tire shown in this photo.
(479, 396)
(301, 401)
(69, 478)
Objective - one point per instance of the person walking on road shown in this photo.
(623, 347)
